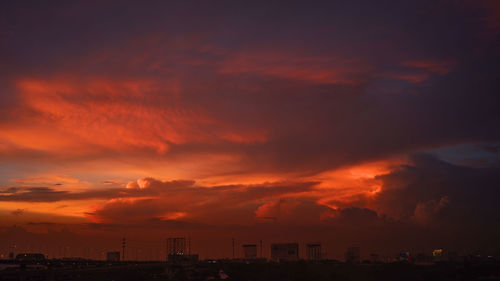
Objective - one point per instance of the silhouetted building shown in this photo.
(374, 257)
(285, 252)
(30, 257)
(176, 248)
(404, 256)
(113, 256)
(250, 251)
(353, 254)
(177, 251)
(11, 256)
(183, 259)
(313, 251)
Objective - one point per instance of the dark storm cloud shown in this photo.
(356, 216)
(490, 148)
(18, 212)
(10, 190)
(430, 190)
(232, 204)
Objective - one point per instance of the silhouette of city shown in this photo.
(284, 262)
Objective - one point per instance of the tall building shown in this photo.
(353, 254)
(313, 251)
(250, 251)
(281, 252)
(176, 248)
(113, 256)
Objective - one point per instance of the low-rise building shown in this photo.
(282, 252)
(250, 251)
(113, 256)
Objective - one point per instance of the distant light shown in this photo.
(437, 252)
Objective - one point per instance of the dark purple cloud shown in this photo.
(435, 191)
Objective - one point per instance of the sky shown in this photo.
(368, 123)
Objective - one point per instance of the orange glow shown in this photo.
(85, 116)
(44, 179)
(348, 184)
(67, 209)
(308, 68)
(174, 215)
(335, 189)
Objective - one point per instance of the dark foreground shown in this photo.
(226, 270)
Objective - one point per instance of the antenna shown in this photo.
(233, 248)
(261, 249)
(123, 248)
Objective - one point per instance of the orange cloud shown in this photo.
(276, 209)
(45, 179)
(72, 211)
(107, 113)
(149, 198)
(439, 67)
(88, 115)
(420, 70)
(322, 70)
(352, 184)
(173, 216)
(333, 189)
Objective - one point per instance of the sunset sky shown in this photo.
(370, 123)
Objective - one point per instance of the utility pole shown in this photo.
(261, 249)
(123, 248)
(233, 248)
